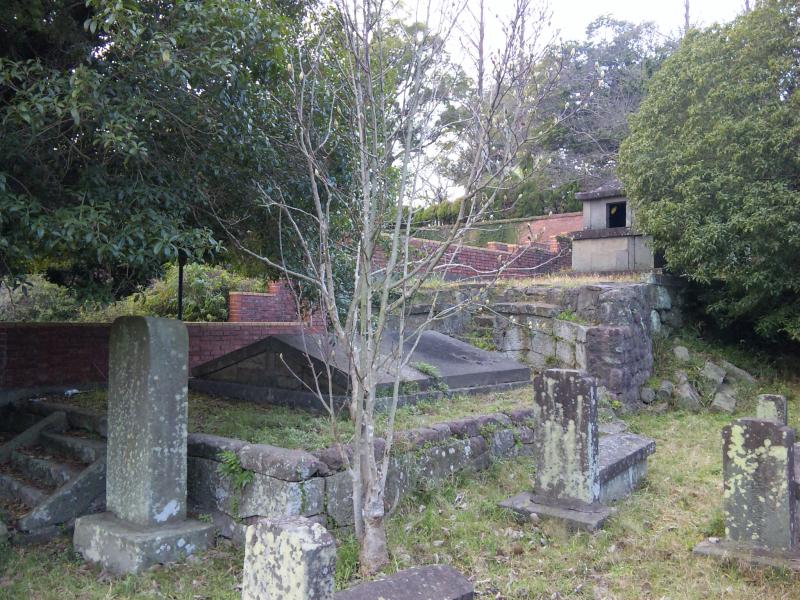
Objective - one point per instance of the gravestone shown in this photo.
(146, 457)
(760, 497)
(773, 407)
(575, 471)
(294, 558)
(566, 436)
(288, 559)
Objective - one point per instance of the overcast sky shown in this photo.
(572, 16)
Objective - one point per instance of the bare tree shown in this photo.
(349, 71)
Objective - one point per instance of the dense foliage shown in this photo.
(601, 82)
(205, 298)
(127, 127)
(713, 165)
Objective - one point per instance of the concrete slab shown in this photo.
(575, 515)
(435, 582)
(285, 361)
(620, 452)
(123, 547)
(753, 555)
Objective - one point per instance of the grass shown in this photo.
(290, 428)
(645, 552)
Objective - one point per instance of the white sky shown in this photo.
(572, 16)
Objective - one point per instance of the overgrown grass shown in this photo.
(645, 552)
(290, 428)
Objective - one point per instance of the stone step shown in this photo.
(538, 309)
(44, 469)
(15, 488)
(83, 449)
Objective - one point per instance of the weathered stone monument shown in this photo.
(146, 458)
(773, 407)
(288, 559)
(576, 469)
(294, 558)
(760, 495)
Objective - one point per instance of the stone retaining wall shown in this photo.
(605, 329)
(316, 485)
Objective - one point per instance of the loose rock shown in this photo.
(681, 353)
(665, 391)
(647, 395)
(714, 374)
(734, 373)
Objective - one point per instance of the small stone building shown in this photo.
(608, 241)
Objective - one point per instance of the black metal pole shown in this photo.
(181, 262)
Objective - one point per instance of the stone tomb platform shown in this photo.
(285, 369)
(125, 547)
(577, 469)
(622, 461)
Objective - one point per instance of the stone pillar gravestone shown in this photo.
(565, 450)
(146, 456)
(288, 559)
(772, 406)
(565, 439)
(759, 497)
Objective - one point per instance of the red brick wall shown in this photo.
(546, 230)
(278, 305)
(55, 354)
(516, 261)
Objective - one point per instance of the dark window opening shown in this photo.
(615, 215)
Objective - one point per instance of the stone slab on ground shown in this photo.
(575, 515)
(70, 500)
(621, 452)
(56, 421)
(123, 547)
(731, 551)
(435, 582)
(458, 364)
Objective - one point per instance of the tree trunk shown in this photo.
(373, 555)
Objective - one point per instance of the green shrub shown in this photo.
(38, 300)
(205, 295)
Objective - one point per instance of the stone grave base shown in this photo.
(122, 547)
(622, 459)
(575, 515)
(622, 462)
(439, 582)
(726, 550)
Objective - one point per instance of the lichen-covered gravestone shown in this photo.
(146, 458)
(575, 471)
(773, 407)
(294, 558)
(759, 496)
(288, 559)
